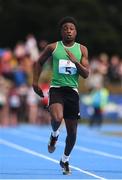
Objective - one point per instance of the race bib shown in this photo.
(67, 67)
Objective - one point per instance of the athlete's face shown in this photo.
(68, 32)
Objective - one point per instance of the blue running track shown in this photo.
(24, 155)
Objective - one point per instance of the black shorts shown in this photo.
(69, 98)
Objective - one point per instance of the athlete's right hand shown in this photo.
(38, 91)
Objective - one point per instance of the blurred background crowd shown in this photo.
(19, 103)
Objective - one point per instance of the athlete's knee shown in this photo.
(56, 113)
(57, 117)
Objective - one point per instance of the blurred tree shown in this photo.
(100, 21)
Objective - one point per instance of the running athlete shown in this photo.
(70, 59)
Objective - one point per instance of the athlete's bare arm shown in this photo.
(37, 69)
(83, 66)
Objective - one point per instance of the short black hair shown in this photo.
(68, 19)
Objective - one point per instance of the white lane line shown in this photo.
(29, 151)
(102, 153)
(81, 148)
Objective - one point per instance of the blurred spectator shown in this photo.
(4, 89)
(3, 100)
(95, 79)
(6, 66)
(103, 64)
(113, 71)
(19, 50)
(19, 76)
(120, 72)
(23, 110)
(99, 99)
(32, 103)
(31, 47)
(14, 106)
(94, 63)
(27, 66)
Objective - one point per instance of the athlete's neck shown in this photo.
(68, 43)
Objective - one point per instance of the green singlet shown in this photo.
(64, 71)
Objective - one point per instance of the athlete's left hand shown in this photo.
(71, 56)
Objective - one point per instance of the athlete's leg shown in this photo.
(71, 127)
(56, 111)
(55, 107)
